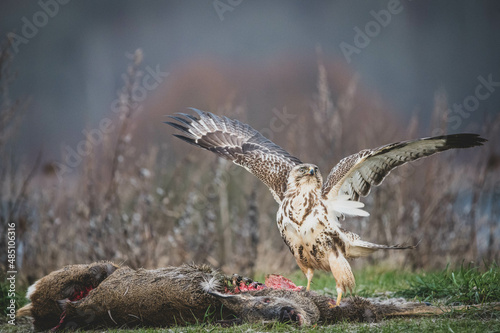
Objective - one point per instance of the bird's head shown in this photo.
(306, 175)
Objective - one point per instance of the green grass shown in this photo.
(370, 281)
(417, 325)
(4, 296)
(466, 284)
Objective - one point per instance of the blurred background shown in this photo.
(89, 171)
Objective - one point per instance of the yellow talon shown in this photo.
(339, 297)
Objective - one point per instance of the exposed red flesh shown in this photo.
(242, 287)
(77, 295)
(275, 281)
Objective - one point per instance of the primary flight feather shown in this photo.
(309, 211)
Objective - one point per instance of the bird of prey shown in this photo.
(309, 211)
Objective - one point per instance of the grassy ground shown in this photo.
(460, 286)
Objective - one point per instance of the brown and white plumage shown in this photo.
(241, 144)
(355, 174)
(309, 211)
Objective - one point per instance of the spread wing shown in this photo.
(239, 143)
(356, 174)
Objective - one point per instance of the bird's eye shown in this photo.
(303, 170)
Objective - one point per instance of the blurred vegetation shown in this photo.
(5, 299)
(146, 203)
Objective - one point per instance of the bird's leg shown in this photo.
(339, 296)
(309, 275)
(343, 275)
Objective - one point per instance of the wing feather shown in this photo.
(239, 143)
(356, 174)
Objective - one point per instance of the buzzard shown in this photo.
(310, 209)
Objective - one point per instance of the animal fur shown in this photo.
(60, 285)
(123, 297)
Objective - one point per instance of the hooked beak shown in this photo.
(311, 171)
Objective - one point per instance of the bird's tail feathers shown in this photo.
(360, 248)
(342, 205)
